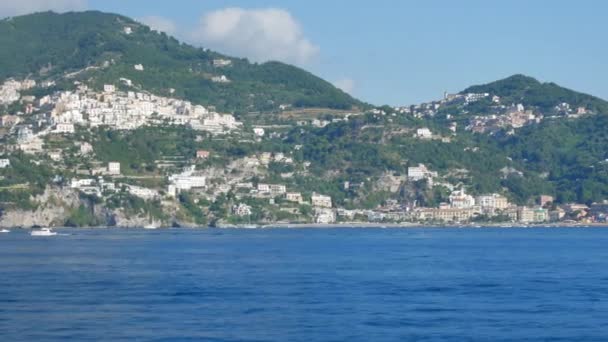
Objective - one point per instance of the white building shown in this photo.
(218, 63)
(258, 131)
(171, 190)
(325, 216)
(4, 163)
(424, 133)
(188, 180)
(114, 168)
(64, 128)
(273, 189)
(294, 197)
(79, 183)
(55, 155)
(460, 200)
(321, 201)
(474, 97)
(138, 67)
(264, 188)
(532, 215)
(220, 79)
(86, 148)
(109, 88)
(265, 158)
(9, 92)
(277, 189)
(241, 210)
(319, 123)
(416, 173)
(492, 202)
(127, 30)
(126, 81)
(142, 192)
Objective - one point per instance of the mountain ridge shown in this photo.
(529, 91)
(52, 44)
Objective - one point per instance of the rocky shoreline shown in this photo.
(56, 204)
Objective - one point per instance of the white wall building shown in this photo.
(294, 197)
(79, 183)
(416, 173)
(114, 168)
(273, 189)
(142, 192)
(188, 180)
(264, 188)
(459, 199)
(492, 202)
(424, 133)
(218, 63)
(64, 128)
(4, 163)
(109, 88)
(325, 216)
(241, 210)
(258, 131)
(220, 79)
(86, 148)
(321, 201)
(277, 189)
(55, 155)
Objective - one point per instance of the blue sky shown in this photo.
(404, 52)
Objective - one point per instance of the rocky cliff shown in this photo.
(56, 207)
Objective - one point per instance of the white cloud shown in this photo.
(159, 24)
(258, 34)
(347, 85)
(19, 7)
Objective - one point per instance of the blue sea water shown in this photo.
(305, 285)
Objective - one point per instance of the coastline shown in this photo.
(360, 225)
(353, 225)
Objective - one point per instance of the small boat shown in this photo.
(43, 232)
(4, 231)
(151, 226)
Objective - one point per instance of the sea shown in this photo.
(370, 284)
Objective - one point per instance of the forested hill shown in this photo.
(49, 45)
(544, 96)
(480, 140)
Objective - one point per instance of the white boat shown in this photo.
(4, 231)
(151, 226)
(43, 232)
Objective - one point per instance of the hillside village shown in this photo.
(136, 128)
(246, 197)
(496, 117)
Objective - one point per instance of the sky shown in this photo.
(395, 52)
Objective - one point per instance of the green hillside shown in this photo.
(360, 160)
(530, 92)
(48, 45)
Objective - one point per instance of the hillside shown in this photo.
(544, 96)
(125, 126)
(49, 45)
